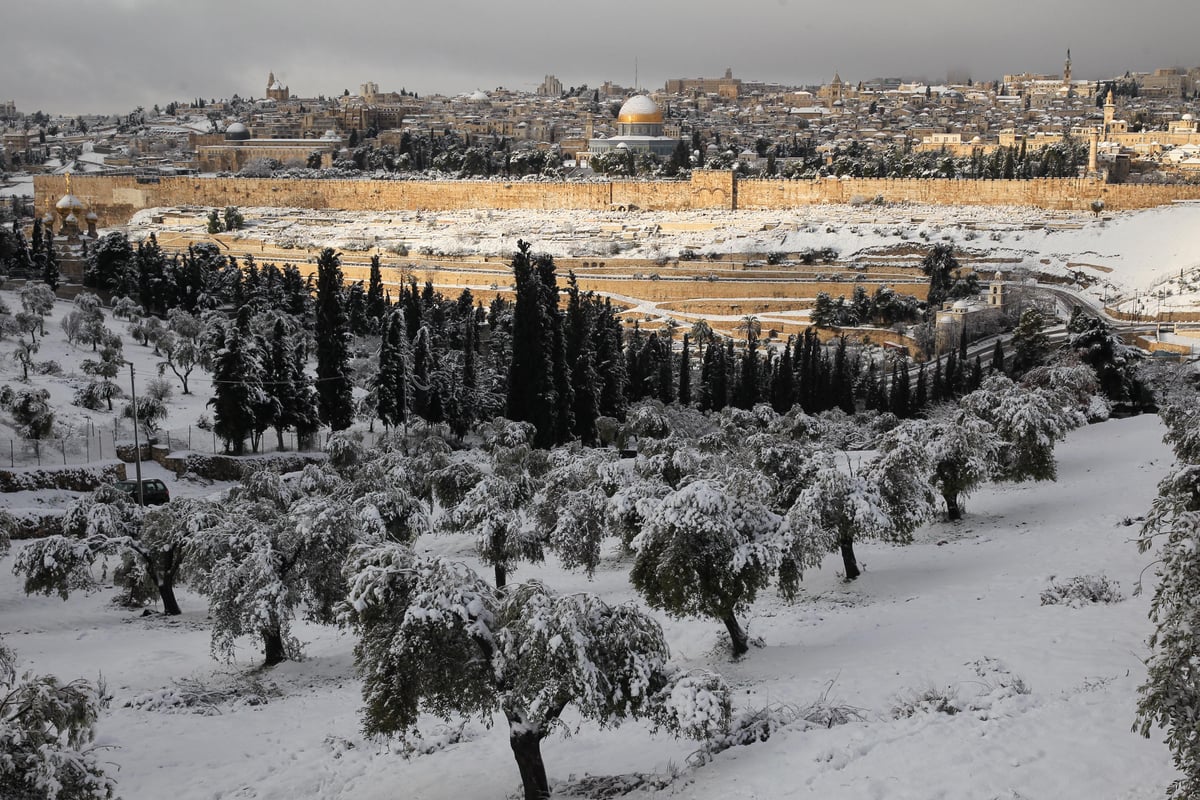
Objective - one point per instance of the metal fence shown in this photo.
(102, 445)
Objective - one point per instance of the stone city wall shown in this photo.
(116, 198)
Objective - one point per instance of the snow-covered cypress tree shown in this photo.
(334, 405)
(238, 393)
(685, 372)
(435, 638)
(535, 373)
(391, 388)
(610, 364)
(581, 353)
(375, 300)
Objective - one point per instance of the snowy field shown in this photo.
(1048, 692)
(1154, 252)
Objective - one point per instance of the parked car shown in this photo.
(154, 491)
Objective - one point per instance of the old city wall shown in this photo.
(1070, 194)
(116, 199)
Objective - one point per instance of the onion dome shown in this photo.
(69, 203)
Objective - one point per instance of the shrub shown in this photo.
(1082, 590)
(930, 700)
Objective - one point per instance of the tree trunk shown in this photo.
(953, 511)
(273, 643)
(846, 543)
(166, 593)
(501, 575)
(279, 440)
(527, 749)
(737, 636)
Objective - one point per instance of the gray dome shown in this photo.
(237, 132)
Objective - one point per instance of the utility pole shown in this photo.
(137, 446)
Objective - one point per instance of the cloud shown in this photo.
(112, 55)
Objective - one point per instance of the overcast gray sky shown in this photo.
(85, 56)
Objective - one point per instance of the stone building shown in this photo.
(276, 90)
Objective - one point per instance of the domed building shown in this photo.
(639, 128)
(237, 132)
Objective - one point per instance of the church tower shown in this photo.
(275, 90)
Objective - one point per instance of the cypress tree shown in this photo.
(532, 396)
(841, 385)
(581, 352)
(422, 368)
(634, 365)
(782, 382)
(610, 363)
(975, 377)
(685, 373)
(666, 372)
(51, 275)
(237, 387)
(900, 400)
(921, 395)
(391, 379)
(952, 383)
(334, 406)
(375, 301)
(997, 364)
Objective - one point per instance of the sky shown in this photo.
(110, 56)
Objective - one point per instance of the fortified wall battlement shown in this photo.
(116, 199)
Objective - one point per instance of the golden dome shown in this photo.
(639, 109)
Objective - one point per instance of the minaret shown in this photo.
(1094, 151)
(1067, 71)
(1110, 109)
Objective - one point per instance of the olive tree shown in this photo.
(706, 552)
(436, 638)
(47, 730)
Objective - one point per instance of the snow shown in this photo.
(1120, 253)
(1046, 694)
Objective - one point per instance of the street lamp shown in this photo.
(137, 446)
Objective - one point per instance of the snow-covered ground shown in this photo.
(1120, 254)
(958, 610)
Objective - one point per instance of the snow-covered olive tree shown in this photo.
(492, 501)
(150, 544)
(258, 566)
(276, 548)
(706, 552)
(1170, 697)
(436, 638)
(903, 475)
(571, 508)
(836, 508)
(47, 730)
(1028, 422)
(964, 450)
